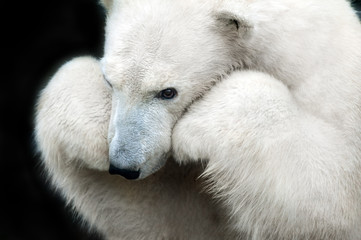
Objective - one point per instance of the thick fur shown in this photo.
(280, 172)
(72, 120)
(313, 47)
(283, 155)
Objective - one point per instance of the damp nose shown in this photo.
(127, 173)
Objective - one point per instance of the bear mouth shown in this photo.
(147, 168)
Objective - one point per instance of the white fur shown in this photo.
(313, 47)
(72, 120)
(281, 172)
(286, 161)
(283, 157)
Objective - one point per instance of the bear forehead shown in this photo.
(139, 77)
(147, 52)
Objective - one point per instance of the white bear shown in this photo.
(280, 172)
(160, 57)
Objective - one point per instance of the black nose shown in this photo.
(128, 174)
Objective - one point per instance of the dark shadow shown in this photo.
(38, 37)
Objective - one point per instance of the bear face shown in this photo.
(149, 54)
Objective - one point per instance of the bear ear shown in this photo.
(107, 4)
(231, 22)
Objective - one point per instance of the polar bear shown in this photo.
(280, 173)
(163, 56)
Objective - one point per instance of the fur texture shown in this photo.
(313, 47)
(72, 120)
(283, 156)
(280, 172)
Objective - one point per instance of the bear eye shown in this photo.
(167, 93)
(234, 22)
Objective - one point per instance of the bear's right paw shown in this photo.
(72, 116)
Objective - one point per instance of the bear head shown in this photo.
(159, 57)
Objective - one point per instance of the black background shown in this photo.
(38, 37)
